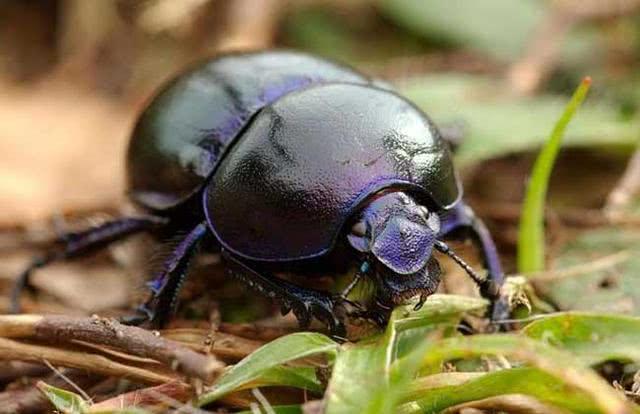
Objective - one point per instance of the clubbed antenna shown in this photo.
(481, 282)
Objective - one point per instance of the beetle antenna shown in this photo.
(444, 248)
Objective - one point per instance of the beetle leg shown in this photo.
(463, 217)
(376, 313)
(165, 288)
(347, 290)
(304, 302)
(81, 243)
(364, 270)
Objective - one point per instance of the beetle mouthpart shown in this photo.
(444, 248)
(407, 295)
(399, 289)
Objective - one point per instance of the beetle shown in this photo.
(275, 159)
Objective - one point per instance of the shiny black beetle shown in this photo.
(281, 158)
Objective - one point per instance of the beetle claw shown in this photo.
(285, 308)
(324, 310)
(421, 301)
(354, 304)
(338, 329)
(143, 315)
(358, 305)
(303, 316)
(320, 307)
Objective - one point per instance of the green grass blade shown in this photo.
(264, 359)
(280, 409)
(285, 376)
(426, 397)
(531, 236)
(592, 338)
(557, 362)
(369, 377)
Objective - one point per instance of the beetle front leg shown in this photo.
(463, 217)
(304, 302)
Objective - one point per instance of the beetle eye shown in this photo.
(433, 221)
(359, 229)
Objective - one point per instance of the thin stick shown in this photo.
(13, 350)
(168, 394)
(108, 332)
(176, 391)
(347, 290)
(222, 345)
(67, 380)
(626, 189)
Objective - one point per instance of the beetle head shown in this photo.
(399, 235)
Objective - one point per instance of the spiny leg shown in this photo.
(377, 313)
(77, 244)
(165, 288)
(347, 290)
(343, 296)
(462, 217)
(304, 302)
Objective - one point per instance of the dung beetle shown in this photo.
(279, 159)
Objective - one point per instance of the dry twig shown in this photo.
(256, 331)
(18, 351)
(624, 191)
(145, 397)
(108, 332)
(223, 345)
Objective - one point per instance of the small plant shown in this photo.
(531, 236)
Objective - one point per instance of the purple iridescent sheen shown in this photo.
(311, 159)
(183, 133)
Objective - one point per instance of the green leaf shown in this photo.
(279, 409)
(407, 327)
(358, 375)
(478, 24)
(591, 338)
(70, 403)
(597, 271)
(497, 123)
(64, 401)
(438, 392)
(499, 28)
(369, 377)
(318, 31)
(555, 362)
(531, 230)
(277, 352)
(299, 377)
